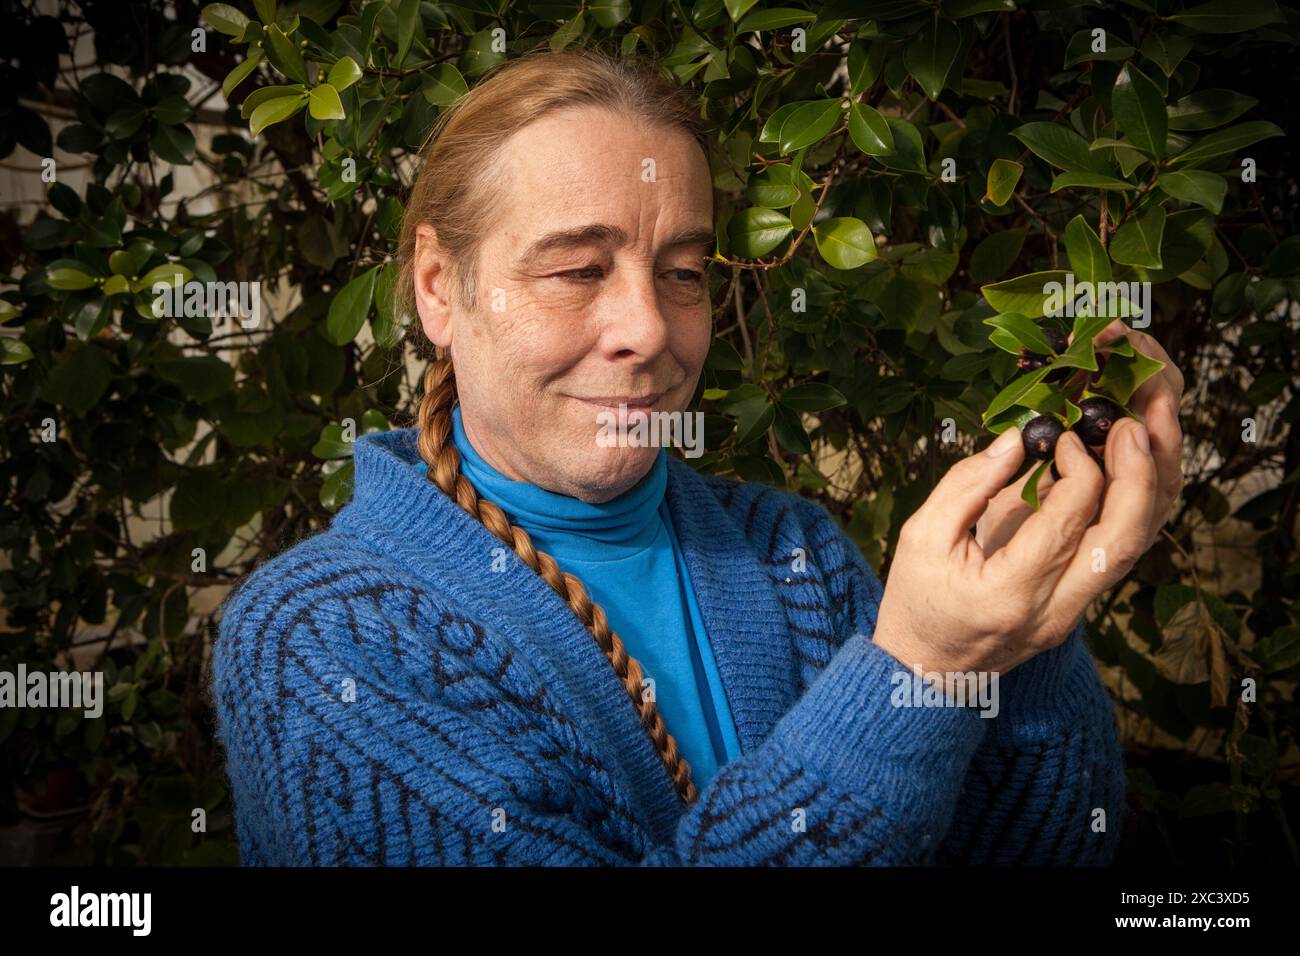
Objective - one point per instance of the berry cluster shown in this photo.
(1098, 415)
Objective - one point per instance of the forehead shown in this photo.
(569, 166)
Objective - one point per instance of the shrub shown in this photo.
(891, 189)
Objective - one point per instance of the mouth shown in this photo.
(634, 403)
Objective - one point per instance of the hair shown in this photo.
(453, 193)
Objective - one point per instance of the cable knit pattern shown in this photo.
(401, 689)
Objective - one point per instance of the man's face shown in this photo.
(591, 290)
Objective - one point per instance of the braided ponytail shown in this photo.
(443, 461)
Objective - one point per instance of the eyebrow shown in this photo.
(605, 234)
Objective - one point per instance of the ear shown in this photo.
(432, 295)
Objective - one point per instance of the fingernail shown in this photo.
(1006, 441)
(1141, 439)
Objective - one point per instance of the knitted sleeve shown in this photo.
(1046, 784)
(378, 726)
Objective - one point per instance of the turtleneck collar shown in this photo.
(630, 521)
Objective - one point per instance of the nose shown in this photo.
(633, 323)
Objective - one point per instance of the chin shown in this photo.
(605, 473)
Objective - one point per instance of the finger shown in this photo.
(964, 492)
(1047, 540)
(1112, 546)
(1165, 437)
(1008, 511)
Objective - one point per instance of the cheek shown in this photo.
(691, 343)
(537, 342)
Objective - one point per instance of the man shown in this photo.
(519, 645)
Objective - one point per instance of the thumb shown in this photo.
(965, 491)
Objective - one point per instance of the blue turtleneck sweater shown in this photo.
(627, 555)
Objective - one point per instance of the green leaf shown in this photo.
(809, 123)
(1227, 141)
(1166, 50)
(738, 8)
(1280, 651)
(996, 254)
(610, 13)
(285, 55)
(1024, 294)
(1002, 179)
(774, 19)
(202, 377)
(1015, 392)
(774, 187)
(756, 231)
(1228, 16)
(1080, 353)
(568, 32)
(259, 96)
(812, 397)
(480, 56)
(909, 151)
(1188, 234)
(345, 72)
(91, 318)
(172, 273)
(930, 54)
(1140, 110)
(1086, 328)
(1197, 186)
(1023, 331)
(1087, 256)
(69, 279)
(1126, 369)
(14, 351)
(1206, 109)
(226, 19)
(173, 144)
(1030, 492)
(753, 418)
(1137, 242)
(1060, 146)
(350, 307)
(408, 19)
(325, 103)
(789, 430)
(844, 242)
(240, 73)
(1090, 181)
(443, 85)
(869, 131)
(79, 380)
(865, 61)
(276, 110)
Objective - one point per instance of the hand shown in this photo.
(953, 603)
(1156, 403)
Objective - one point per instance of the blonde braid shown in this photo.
(439, 453)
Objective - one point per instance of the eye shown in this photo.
(585, 274)
(688, 276)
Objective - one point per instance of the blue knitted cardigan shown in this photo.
(401, 689)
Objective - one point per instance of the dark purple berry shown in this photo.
(1040, 436)
(1030, 361)
(1099, 415)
